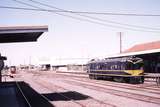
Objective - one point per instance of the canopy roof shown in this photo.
(21, 33)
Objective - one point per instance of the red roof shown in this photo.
(144, 47)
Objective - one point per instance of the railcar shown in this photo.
(122, 69)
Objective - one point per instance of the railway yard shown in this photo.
(97, 53)
(77, 90)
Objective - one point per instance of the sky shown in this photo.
(71, 38)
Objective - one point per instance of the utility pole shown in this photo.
(120, 38)
(29, 60)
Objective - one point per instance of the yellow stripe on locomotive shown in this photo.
(134, 72)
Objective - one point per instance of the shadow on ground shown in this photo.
(11, 96)
(65, 96)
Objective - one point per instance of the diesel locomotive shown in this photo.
(121, 69)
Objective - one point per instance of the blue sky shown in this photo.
(70, 38)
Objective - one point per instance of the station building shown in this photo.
(149, 52)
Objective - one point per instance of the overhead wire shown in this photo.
(22, 8)
(100, 13)
(115, 14)
(19, 8)
(81, 19)
(95, 18)
(104, 13)
(48, 10)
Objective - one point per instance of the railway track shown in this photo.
(112, 91)
(94, 86)
(146, 85)
(121, 85)
(65, 97)
(48, 86)
(20, 94)
(100, 86)
(49, 89)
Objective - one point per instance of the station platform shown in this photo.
(20, 94)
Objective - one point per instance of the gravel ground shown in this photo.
(54, 86)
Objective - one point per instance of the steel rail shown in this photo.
(23, 94)
(144, 98)
(60, 94)
(74, 92)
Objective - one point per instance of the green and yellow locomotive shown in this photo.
(121, 69)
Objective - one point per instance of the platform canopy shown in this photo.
(21, 33)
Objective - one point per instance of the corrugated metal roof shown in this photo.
(144, 47)
(21, 33)
(140, 49)
(135, 53)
